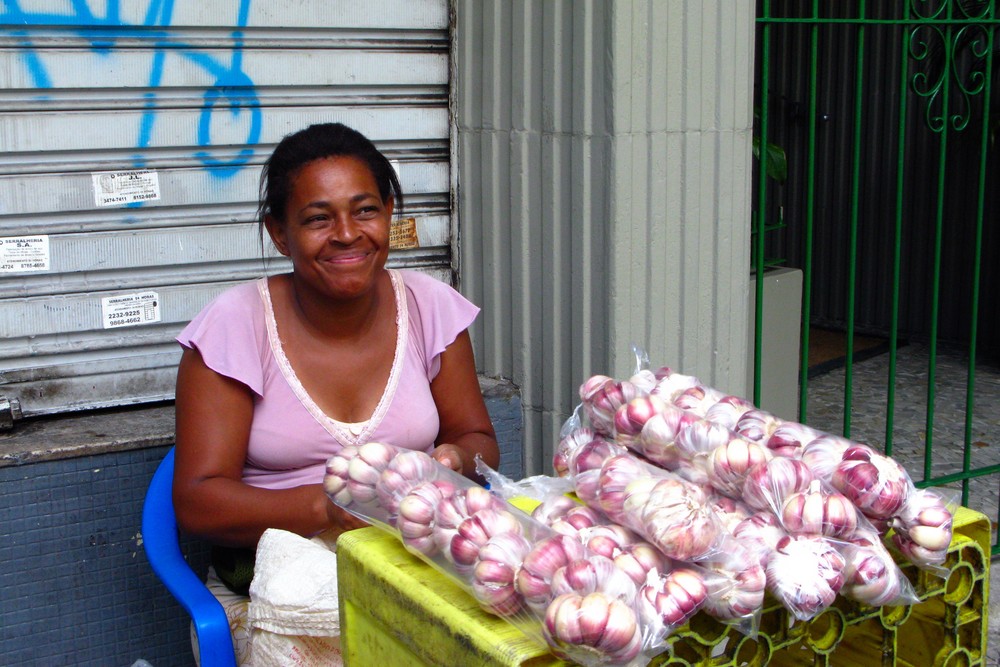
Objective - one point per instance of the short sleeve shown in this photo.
(230, 333)
(438, 313)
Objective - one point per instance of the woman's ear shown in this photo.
(276, 230)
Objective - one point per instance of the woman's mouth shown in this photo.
(347, 258)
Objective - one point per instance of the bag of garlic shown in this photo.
(549, 586)
(718, 441)
(674, 516)
(670, 591)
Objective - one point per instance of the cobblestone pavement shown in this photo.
(909, 425)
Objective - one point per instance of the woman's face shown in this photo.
(336, 227)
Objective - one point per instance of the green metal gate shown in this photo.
(878, 127)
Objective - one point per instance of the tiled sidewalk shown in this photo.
(868, 424)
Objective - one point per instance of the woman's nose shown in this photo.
(345, 230)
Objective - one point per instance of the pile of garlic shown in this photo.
(723, 477)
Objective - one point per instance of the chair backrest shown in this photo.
(163, 550)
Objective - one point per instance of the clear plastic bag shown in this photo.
(547, 584)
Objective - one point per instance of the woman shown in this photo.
(277, 375)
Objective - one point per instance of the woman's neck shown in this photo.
(340, 319)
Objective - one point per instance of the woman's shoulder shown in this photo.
(436, 310)
(419, 279)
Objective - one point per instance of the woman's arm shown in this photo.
(211, 501)
(466, 429)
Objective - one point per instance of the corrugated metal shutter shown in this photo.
(194, 94)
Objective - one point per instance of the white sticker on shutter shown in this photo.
(24, 253)
(120, 188)
(129, 310)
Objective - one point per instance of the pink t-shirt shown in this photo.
(290, 437)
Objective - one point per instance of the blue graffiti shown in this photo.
(232, 90)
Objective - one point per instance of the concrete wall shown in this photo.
(603, 192)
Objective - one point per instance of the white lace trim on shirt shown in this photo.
(342, 431)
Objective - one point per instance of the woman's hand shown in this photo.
(450, 456)
(341, 520)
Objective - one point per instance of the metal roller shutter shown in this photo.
(132, 144)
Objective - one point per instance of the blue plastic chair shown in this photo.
(163, 550)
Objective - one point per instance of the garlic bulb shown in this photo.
(870, 574)
(768, 485)
(595, 623)
(552, 508)
(923, 528)
(669, 387)
(631, 417)
(728, 465)
(588, 485)
(592, 454)
(735, 588)
(701, 437)
(760, 534)
(824, 453)
(698, 399)
(790, 439)
(601, 398)
(494, 573)
(876, 484)
(757, 425)
(585, 466)
(364, 469)
(805, 573)
(729, 511)
(534, 578)
(637, 560)
(656, 440)
(644, 381)
(816, 512)
(667, 601)
(727, 412)
(458, 507)
(673, 515)
(575, 520)
(607, 539)
(416, 511)
(475, 532)
(405, 470)
(566, 446)
(615, 475)
(335, 476)
(593, 574)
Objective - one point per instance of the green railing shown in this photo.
(888, 116)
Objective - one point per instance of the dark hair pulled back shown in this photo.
(323, 140)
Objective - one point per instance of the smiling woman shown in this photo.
(279, 375)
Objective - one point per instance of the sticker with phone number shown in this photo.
(129, 310)
(24, 253)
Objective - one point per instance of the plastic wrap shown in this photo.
(543, 579)
(826, 494)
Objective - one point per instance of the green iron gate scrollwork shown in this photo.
(889, 118)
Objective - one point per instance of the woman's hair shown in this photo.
(324, 140)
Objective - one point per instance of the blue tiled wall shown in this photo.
(75, 586)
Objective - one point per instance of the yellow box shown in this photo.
(397, 610)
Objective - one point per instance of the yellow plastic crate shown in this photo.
(397, 610)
